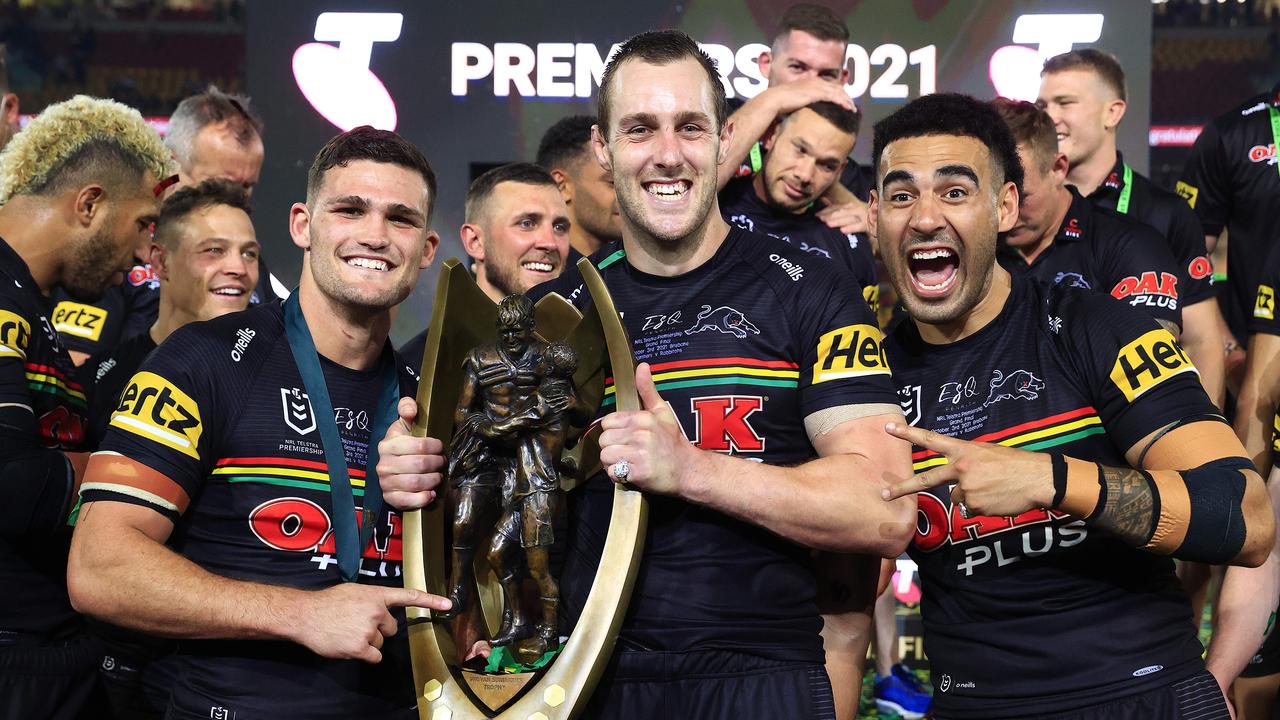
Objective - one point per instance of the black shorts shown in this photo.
(1267, 660)
(1194, 698)
(710, 685)
(50, 680)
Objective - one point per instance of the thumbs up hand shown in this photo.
(658, 457)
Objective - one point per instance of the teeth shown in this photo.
(539, 266)
(368, 263)
(666, 189)
(931, 254)
(940, 286)
(229, 291)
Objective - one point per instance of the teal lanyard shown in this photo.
(350, 539)
(1275, 135)
(1122, 205)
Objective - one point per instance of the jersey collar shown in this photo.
(1112, 184)
(1076, 223)
(12, 264)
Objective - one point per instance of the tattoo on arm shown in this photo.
(1129, 508)
(1171, 326)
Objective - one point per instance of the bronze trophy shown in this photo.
(510, 388)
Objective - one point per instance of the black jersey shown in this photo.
(1170, 216)
(1232, 180)
(741, 206)
(743, 348)
(1264, 318)
(1040, 613)
(124, 311)
(106, 374)
(41, 405)
(1098, 249)
(219, 409)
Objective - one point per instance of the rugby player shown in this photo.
(1231, 182)
(1084, 92)
(1061, 237)
(804, 155)
(77, 192)
(220, 444)
(210, 135)
(516, 231)
(753, 351)
(1247, 601)
(1048, 581)
(587, 188)
(804, 64)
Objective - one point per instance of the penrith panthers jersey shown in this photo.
(743, 348)
(1039, 612)
(220, 412)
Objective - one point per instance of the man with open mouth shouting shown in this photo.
(1048, 586)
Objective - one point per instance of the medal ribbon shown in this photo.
(351, 540)
(1275, 135)
(1122, 205)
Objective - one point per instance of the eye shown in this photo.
(638, 131)
(251, 254)
(900, 196)
(349, 211)
(527, 224)
(214, 250)
(562, 228)
(956, 193)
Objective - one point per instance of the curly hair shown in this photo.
(82, 140)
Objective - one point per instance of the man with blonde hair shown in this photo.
(78, 193)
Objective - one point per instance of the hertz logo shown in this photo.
(1188, 193)
(1265, 305)
(82, 321)
(15, 335)
(1148, 361)
(850, 351)
(153, 408)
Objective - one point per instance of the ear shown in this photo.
(726, 137)
(873, 205)
(764, 62)
(300, 225)
(9, 109)
(1115, 113)
(771, 136)
(473, 241)
(844, 74)
(1059, 169)
(1007, 210)
(431, 244)
(600, 148)
(564, 184)
(159, 259)
(90, 202)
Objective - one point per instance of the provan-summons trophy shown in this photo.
(510, 388)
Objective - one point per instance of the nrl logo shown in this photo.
(297, 410)
(909, 401)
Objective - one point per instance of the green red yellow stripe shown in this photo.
(1031, 435)
(47, 379)
(283, 472)
(718, 371)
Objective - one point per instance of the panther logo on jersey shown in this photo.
(1017, 384)
(724, 319)
(1075, 280)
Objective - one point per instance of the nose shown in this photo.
(667, 151)
(804, 170)
(926, 215)
(235, 265)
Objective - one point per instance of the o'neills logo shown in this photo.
(794, 271)
(243, 337)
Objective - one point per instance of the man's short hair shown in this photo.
(566, 142)
(661, 47)
(951, 114)
(1032, 128)
(1104, 64)
(210, 107)
(814, 20)
(368, 143)
(482, 187)
(192, 198)
(515, 310)
(844, 119)
(81, 141)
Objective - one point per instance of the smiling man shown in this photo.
(1048, 581)
(762, 436)
(226, 446)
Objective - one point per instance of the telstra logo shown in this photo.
(337, 81)
(1015, 69)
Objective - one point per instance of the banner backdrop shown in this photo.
(475, 83)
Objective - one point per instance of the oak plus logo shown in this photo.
(337, 81)
(1015, 69)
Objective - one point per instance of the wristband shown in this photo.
(1059, 479)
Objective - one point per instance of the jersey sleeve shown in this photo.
(1206, 180)
(15, 337)
(1139, 378)
(166, 420)
(90, 329)
(1140, 271)
(1263, 319)
(1186, 240)
(842, 353)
